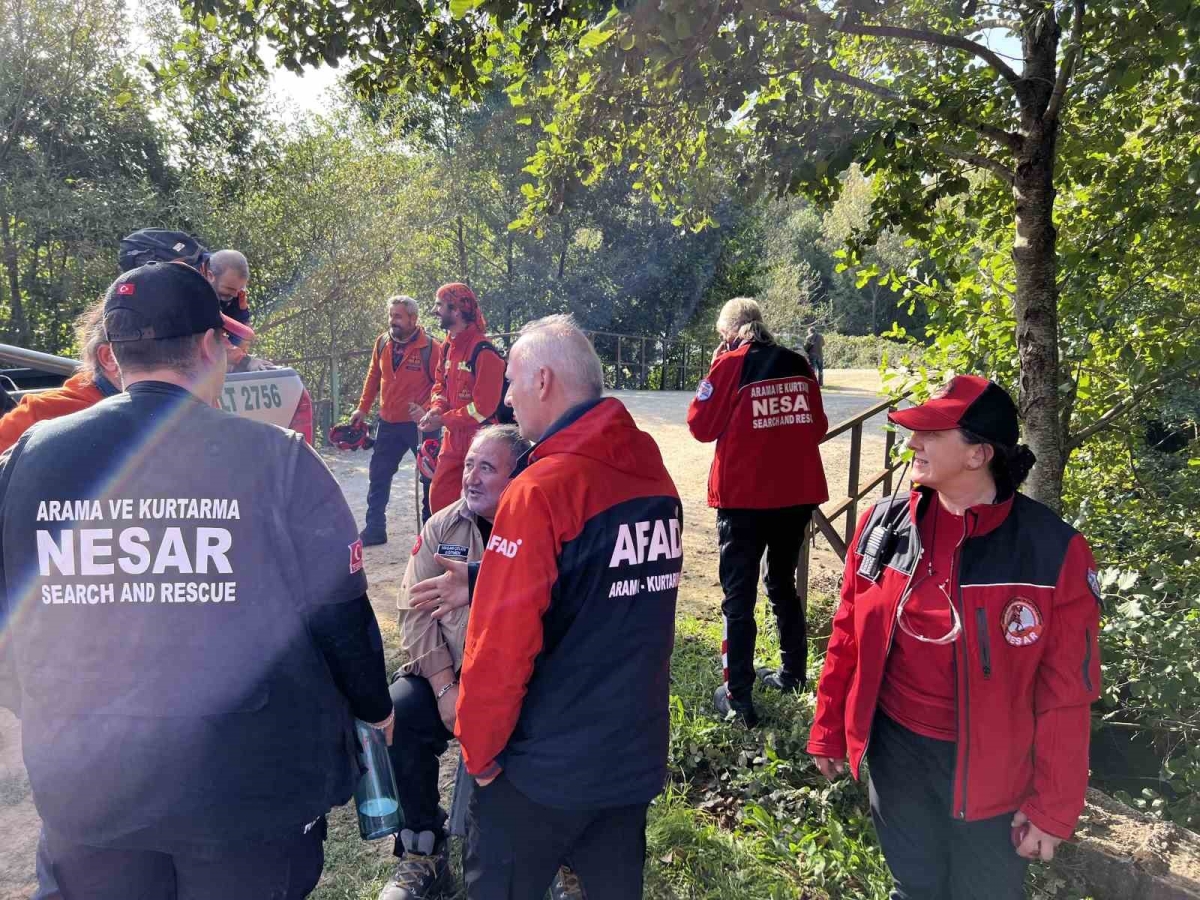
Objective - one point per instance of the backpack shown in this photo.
(426, 354)
(156, 245)
(503, 414)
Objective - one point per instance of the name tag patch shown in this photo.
(453, 551)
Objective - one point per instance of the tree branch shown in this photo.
(1006, 139)
(1070, 58)
(919, 35)
(1108, 418)
(936, 38)
(980, 161)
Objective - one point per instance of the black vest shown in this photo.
(170, 690)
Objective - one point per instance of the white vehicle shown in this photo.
(274, 395)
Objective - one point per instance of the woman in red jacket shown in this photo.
(964, 659)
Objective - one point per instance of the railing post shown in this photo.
(619, 379)
(644, 379)
(852, 492)
(335, 388)
(802, 569)
(889, 441)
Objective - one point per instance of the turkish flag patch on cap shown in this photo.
(125, 289)
(356, 561)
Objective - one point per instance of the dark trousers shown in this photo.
(284, 869)
(744, 534)
(932, 855)
(419, 741)
(392, 441)
(818, 364)
(514, 846)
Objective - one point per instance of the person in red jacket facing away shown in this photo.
(965, 656)
(467, 390)
(761, 403)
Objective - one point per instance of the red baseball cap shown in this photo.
(969, 402)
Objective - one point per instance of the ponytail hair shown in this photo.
(1009, 466)
(742, 318)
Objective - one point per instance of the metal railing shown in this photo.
(856, 489)
(630, 362)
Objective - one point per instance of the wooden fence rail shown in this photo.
(856, 490)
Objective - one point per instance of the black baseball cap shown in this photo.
(164, 300)
(148, 245)
(969, 402)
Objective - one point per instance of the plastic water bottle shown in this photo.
(376, 797)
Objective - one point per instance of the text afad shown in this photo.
(648, 541)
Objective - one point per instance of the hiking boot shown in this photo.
(725, 704)
(373, 537)
(567, 886)
(423, 873)
(780, 680)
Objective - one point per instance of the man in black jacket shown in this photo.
(192, 641)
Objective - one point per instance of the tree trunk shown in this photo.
(462, 252)
(1035, 261)
(18, 328)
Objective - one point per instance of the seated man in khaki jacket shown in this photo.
(426, 689)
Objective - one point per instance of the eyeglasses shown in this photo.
(949, 637)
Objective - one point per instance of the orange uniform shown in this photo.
(78, 392)
(411, 381)
(466, 396)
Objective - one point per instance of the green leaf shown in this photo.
(596, 37)
(459, 8)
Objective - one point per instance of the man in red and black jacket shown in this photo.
(563, 707)
(761, 403)
(467, 388)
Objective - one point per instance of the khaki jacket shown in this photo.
(429, 645)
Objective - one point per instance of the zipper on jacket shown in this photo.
(1087, 659)
(908, 586)
(965, 700)
(985, 643)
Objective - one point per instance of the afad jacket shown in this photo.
(410, 382)
(566, 673)
(1027, 663)
(466, 398)
(762, 405)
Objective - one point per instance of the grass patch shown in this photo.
(746, 815)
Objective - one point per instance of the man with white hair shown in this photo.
(563, 710)
(761, 403)
(403, 367)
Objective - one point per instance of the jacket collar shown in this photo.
(104, 386)
(419, 338)
(980, 520)
(470, 333)
(566, 420)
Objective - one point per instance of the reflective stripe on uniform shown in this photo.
(474, 413)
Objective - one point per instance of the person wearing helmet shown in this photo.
(964, 658)
(401, 373)
(468, 389)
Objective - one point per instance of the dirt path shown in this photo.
(847, 392)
